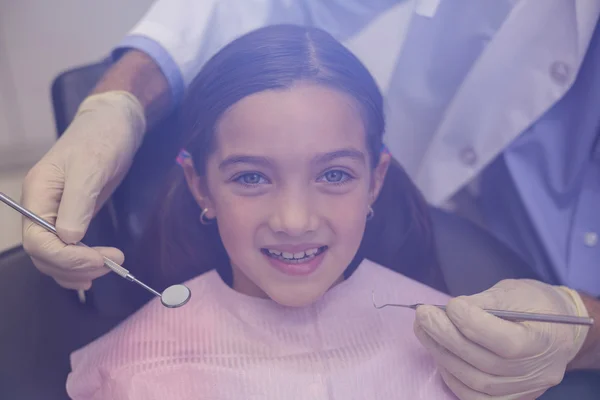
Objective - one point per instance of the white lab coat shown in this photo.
(447, 117)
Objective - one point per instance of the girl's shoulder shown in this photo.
(152, 334)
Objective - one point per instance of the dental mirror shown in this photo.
(175, 296)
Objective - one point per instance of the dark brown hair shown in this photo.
(177, 247)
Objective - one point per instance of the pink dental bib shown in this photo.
(227, 346)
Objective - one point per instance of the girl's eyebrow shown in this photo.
(342, 153)
(268, 162)
(244, 159)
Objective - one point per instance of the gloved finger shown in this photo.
(440, 328)
(111, 253)
(469, 375)
(509, 340)
(87, 273)
(83, 185)
(71, 269)
(463, 392)
(47, 247)
(42, 189)
(77, 275)
(75, 285)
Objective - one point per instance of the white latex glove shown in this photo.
(72, 181)
(481, 356)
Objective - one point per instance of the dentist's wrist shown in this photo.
(588, 356)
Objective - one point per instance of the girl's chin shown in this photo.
(298, 295)
(296, 302)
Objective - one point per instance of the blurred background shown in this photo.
(39, 39)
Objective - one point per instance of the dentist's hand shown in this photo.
(481, 356)
(72, 181)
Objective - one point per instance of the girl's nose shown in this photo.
(294, 215)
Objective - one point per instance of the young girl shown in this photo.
(283, 219)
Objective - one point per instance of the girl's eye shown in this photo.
(250, 179)
(336, 176)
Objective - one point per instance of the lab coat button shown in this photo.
(468, 156)
(590, 239)
(560, 72)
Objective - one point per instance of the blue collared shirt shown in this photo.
(542, 196)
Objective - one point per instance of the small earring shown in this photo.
(182, 156)
(370, 213)
(203, 219)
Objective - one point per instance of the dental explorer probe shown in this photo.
(509, 315)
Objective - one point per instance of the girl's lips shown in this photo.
(300, 267)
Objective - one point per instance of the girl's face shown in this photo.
(290, 184)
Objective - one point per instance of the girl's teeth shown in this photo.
(294, 256)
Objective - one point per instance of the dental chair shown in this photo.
(42, 323)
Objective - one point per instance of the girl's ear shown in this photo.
(197, 187)
(379, 175)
